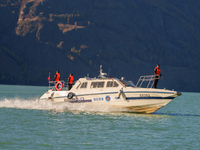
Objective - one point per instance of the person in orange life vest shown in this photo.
(57, 76)
(157, 74)
(70, 81)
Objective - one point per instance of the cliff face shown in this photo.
(127, 37)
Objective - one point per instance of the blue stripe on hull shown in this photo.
(149, 92)
(136, 98)
(106, 93)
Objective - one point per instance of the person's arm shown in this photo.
(55, 77)
(68, 80)
(155, 71)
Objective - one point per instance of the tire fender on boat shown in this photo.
(59, 86)
(70, 95)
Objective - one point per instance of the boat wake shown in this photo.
(59, 107)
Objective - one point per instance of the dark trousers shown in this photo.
(69, 86)
(156, 81)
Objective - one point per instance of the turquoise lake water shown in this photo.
(28, 124)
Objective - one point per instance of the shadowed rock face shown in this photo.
(128, 38)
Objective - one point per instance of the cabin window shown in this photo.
(79, 84)
(93, 84)
(97, 84)
(100, 84)
(84, 85)
(115, 84)
(112, 84)
(109, 84)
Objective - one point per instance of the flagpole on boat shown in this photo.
(49, 78)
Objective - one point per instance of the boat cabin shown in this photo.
(92, 84)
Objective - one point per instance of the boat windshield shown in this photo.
(128, 83)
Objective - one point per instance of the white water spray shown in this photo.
(48, 105)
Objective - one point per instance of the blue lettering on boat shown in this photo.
(98, 99)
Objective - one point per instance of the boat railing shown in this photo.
(52, 85)
(149, 79)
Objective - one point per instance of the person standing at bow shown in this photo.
(57, 76)
(70, 81)
(156, 75)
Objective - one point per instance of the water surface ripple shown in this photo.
(28, 124)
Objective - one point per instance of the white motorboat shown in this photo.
(113, 92)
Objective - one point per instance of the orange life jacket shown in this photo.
(71, 79)
(157, 71)
(57, 77)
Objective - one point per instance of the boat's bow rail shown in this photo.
(58, 85)
(149, 79)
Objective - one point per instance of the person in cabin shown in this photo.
(156, 74)
(70, 81)
(57, 76)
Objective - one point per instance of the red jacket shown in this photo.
(71, 80)
(57, 77)
(157, 71)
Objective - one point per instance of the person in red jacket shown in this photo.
(57, 76)
(156, 74)
(70, 81)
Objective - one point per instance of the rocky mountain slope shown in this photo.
(127, 37)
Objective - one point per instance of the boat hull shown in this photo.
(144, 106)
(130, 101)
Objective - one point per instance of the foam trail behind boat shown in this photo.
(48, 105)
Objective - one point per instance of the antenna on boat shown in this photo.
(108, 72)
(102, 75)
